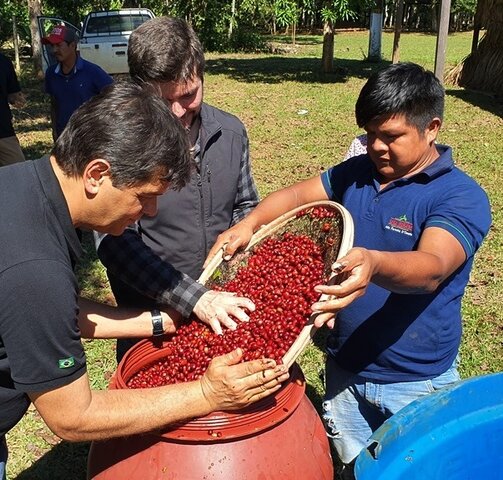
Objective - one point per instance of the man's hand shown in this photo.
(230, 385)
(421, 271)
(171, 319)
(220, 308)
(216, 308)
(235, 237)
(355, 270)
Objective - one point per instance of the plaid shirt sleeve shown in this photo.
(133, 262)
(247, 196)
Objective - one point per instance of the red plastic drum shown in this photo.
(278, 438)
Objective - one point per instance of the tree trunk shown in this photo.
(15, 39)
(483, 68)
(35, 10)
(434, 17)
(477, 25)
(327, 58)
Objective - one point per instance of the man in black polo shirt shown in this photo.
(118, 154)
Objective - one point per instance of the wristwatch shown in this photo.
(157, 326)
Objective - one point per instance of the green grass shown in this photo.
(267, 91)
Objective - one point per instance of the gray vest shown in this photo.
(188, 222)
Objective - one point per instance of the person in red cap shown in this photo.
(71, 81)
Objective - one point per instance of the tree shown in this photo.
(35, 10)
(332, 11)
(482, 69)
(286, 13)
(8, 10)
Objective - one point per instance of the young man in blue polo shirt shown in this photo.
(418, 222)
(72, 81)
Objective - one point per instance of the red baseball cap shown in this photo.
(60, 34)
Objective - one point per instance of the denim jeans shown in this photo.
(3, 458)
(354, 407)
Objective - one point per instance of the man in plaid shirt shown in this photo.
(155, 262)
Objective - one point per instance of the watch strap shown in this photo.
(157, 324)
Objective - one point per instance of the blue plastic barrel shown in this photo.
(455, 433)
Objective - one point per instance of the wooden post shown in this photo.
(443, 31)
(477, 26)
(398, 31)
(16, 43)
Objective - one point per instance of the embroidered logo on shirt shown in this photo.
(400, 225)
(66, 362)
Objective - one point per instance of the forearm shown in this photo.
(421, 271)
(407, 272)
(97, 320)
(274, 205)
(281, 201)
(243, 209)
(439, 254)
(140, 411)
(114, 413)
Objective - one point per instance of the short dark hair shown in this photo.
(165, 49)
(401, 88)
(134, 130)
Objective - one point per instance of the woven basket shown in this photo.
(338, 240)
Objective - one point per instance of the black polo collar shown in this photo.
(57, 202)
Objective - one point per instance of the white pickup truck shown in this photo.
(103, 37)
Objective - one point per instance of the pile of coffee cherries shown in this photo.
(279, 278)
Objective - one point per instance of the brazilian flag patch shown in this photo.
(66, 362)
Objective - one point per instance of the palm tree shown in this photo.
(483, 68)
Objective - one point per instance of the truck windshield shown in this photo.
(114, 23)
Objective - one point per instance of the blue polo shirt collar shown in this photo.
(79, 64)
(441, 165)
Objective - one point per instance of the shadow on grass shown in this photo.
(299, 40)
(36, 150)
(278, 69)
(486, 101)
(319, 340)
(39, 124)
(315, 398)
(65, 461)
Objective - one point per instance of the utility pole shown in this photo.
(443, 31)
(398, 31)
